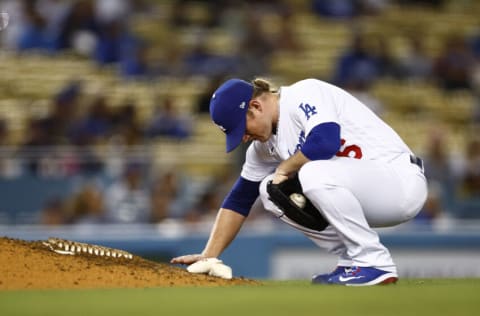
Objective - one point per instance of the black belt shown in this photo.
(417, 161)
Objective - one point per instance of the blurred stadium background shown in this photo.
(105, 135)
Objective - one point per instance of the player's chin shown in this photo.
(262, 139)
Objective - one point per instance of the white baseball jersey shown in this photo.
(371, 181)
(310, 102)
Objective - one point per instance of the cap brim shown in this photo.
(235, 136)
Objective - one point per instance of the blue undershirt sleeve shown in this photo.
(242, 196)
(323, 141)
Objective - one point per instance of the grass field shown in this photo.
(423, 297)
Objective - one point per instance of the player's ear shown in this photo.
(255, 104)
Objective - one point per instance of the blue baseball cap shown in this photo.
(228, 109)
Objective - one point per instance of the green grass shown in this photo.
(423, 297)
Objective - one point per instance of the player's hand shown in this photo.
(279, 178)
(188, 259)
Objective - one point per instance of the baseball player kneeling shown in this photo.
(322, 162)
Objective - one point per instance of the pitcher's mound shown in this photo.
(33, 265)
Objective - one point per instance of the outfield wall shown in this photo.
(266, 250)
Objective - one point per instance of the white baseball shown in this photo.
(298, 199)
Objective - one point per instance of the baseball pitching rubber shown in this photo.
(298, 199)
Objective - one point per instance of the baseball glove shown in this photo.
(288, 196)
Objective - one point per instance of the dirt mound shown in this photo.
(32, 265)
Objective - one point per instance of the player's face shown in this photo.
(259, 126)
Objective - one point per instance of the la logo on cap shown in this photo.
(242, 105)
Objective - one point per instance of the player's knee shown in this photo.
(316, 174)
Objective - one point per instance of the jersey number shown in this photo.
(352, 151)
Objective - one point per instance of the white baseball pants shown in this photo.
(355, 195)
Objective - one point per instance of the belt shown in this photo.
(417, 161)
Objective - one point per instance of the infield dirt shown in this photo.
(32, 265)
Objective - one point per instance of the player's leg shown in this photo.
(327, 239)
(354, 195)
(332, 187)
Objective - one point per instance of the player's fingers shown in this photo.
(187, 259)
(279, 179)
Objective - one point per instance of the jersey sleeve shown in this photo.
(320, 106)
(322, 142)
(258, 163)
(242, 196)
